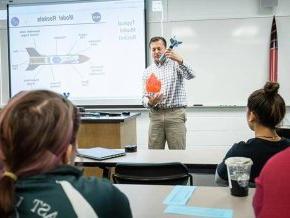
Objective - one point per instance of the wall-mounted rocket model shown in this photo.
(273, 70)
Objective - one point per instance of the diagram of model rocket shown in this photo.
(36, 59)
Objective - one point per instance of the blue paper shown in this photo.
(179, 195)
(199, 211)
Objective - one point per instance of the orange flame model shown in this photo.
(153, 85)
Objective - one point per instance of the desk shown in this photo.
(107, 131)
(148, 201)
(199, 159)
(283, 131)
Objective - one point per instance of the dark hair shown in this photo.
(268, 106)
(156, 39)
(36, 128)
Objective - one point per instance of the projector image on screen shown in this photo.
(36, 59)
(93, 50)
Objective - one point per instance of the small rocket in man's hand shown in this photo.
(173, 43)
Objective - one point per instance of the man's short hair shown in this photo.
(156, 39)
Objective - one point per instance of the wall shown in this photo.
(205, 125)
(209, 126)
(220, 126)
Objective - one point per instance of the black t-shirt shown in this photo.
(259, 150)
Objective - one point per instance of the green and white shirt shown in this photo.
(65, 193)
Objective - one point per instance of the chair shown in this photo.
(173, 173)
(283, 131)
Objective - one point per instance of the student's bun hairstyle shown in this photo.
(271, 89)
(268, 106)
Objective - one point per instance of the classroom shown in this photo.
(100, 69)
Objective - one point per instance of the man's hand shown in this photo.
(155, 99)
(173, 56)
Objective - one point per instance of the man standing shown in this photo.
(167, 107)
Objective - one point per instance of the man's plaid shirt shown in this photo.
(172, 75)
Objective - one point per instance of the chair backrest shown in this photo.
(173, 173)
(283, 132)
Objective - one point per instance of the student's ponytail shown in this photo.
(7, 196)
(23, 150)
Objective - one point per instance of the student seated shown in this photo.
(273, 188)
(38, 132)
(266, 109)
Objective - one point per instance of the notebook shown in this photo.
(100, 153)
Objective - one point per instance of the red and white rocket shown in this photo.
(273, 70)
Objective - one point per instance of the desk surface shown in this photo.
(208, 156)
(109, 119)
(284, 127)
(148, 201)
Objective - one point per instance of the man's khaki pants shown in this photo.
(167, 125)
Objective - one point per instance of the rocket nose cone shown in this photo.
(83, 58)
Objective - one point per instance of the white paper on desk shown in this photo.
(179, 195)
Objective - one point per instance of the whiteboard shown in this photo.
(230, 57)
(283, 26)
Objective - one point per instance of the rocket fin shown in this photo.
(31, 67)
(32, 52)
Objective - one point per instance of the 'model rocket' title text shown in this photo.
(55, 18)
